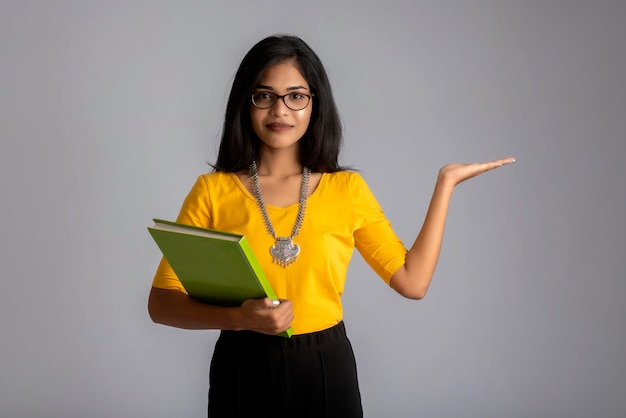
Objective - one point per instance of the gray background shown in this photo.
(109, 111)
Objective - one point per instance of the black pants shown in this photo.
(310, 375)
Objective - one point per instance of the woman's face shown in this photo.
(280, 127)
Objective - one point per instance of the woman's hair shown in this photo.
(320, 145)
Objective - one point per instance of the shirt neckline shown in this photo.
(250, 196)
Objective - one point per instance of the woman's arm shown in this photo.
(413, 279)
(176, 309)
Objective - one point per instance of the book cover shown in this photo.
(214, 266)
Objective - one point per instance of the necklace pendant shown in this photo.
(284, 252)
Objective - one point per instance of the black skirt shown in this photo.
(308, 375)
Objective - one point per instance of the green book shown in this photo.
(214, 266)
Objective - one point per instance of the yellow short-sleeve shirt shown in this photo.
(341, 214)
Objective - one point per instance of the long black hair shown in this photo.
(320, 145)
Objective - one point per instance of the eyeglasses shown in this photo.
(294, 101)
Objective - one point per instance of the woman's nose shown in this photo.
(280, 108)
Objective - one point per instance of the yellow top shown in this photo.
(341, 214)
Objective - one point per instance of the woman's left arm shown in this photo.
(413, 279)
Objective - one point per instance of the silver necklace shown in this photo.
(284, 252)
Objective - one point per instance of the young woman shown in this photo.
(277, 180)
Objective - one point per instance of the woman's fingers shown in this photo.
(457, 173)
(267, 317)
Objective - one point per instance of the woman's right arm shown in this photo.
(176, 309)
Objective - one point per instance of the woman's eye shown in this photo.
(297, 96)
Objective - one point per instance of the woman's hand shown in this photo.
(263, 316)
(453, 174)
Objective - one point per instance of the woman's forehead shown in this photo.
(284, 75)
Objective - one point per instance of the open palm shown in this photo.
(458, 173)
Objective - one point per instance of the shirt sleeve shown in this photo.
(374, 236)
(194, 211)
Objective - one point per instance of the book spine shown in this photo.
(256, 267)
(265, 284)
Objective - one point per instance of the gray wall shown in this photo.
(109, 110)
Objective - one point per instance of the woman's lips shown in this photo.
(278, 127)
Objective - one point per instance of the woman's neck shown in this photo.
(279, 164)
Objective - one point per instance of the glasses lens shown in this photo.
(263, 99)
(297, 101)
(294, 101)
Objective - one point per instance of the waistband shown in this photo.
(301, 341)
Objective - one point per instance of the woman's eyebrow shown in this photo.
(264, 87)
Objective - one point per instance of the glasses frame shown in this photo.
(276, 97)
